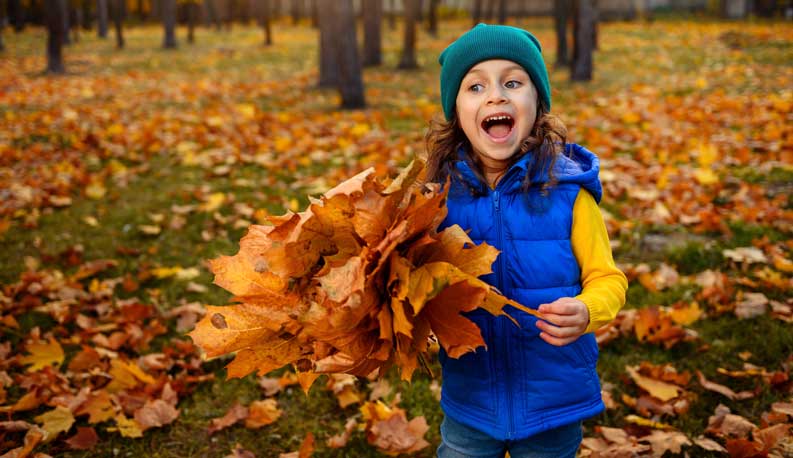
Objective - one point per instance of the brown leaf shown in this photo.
(236, 413)
(664, 441)
(85, 439)
(721, 389)
(155, 413)
(340, 440)
(238, 452)
(306, 448)
(458, 335)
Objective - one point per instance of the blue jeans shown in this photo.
(461, 441)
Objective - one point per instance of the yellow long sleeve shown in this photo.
(604, 285)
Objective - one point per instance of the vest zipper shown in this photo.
(500, 324)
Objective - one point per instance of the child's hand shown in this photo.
(565, 320)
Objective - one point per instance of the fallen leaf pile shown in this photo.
(112, 380)
(354, 284)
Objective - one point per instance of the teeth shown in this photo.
(498, 118)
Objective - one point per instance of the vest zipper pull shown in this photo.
(495, 200)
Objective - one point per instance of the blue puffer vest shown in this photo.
(520, 385)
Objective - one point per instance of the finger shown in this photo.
(563, 320)
(557, 331)
(559, 307)
(556, 340)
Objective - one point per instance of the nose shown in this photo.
(496, 95)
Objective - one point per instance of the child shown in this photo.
(518, 186)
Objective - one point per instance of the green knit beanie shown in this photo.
(485, 42)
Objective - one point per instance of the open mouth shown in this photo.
(498, 126)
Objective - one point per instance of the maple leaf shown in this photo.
(236, 413)
(155, 413)
(55, 422)
(43, 354)
(85, 439)
(262, 413)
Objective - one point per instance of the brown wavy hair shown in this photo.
(546, 140)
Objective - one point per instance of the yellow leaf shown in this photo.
(214, 202)
(55, 422)
(705, 176)
(247, 110)
(630, 117)
(43, 354)
(215, 121)
(637, 420)
(115, 129)
(96, 190)
(658, 389)
(686, 315)
(360, 129)
(150, 229)
(701, 83)
(706, 154)
(91, 221)
(128, 427)
(126, 375)
(262, 413)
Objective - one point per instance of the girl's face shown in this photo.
(496, 108)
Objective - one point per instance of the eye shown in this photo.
(513, 84)
(476, 87)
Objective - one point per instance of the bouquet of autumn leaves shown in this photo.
(355, 284)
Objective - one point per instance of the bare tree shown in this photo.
(102, 13)
(192, 16)
(432, 18)
(392, 15)
(17, 14)
(263, 12)
(54, 11)
(372, 40)
(502, 11)
(169, 23)
(296, 11)
(345, 50)
(67, 27)
(561, 11)
(328, 68)
(408, 60)
(3, 10)
(583, 41)
(476, 13)
(119, 8)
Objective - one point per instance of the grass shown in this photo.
(135, 86)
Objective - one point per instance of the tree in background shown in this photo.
(54, 11)
(476, 12)
(119, 13)
(328, 69)
(102, 14)
(372, 40)
(169, 23)
(432, 18)
(3, 9)
(583, 40)
(192, 11)
(345, 50)
(17, 14)
(66, 23)
(262, 10)
(561, 10)
(392, 15)
(502, 11)
(408, 60)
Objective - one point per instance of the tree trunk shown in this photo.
(141, 11)
(372, 41)
(3, 10)
(119, 13)
(408, 60)
(476, 14)
(561, 11)
(101, 11)
(491, 10)
(432, 15)
(169, 23)
(17, 14)
(86, 14)
(502, 11)
(66, 23)
(192, 13)
(328, 68)
(230, 5)
(583, 41)
(315, 14)
(265, 13)
(345, 49)
(296, 12)
(54, 11)
(78, 23)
